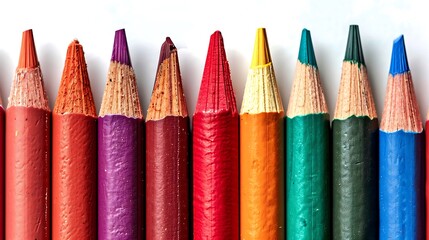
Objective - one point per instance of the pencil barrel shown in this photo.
(308, 177)
(28, 173)
(355, 178)
(2, 172)
(74, 176)
(167, 178)
(215, 176)
(119, 143)
(262, 199)
(401, 185)
(427, 178)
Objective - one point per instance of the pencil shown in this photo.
(215, 150)
(401, 146)
(261, 150)
(74, 152)
(119, 145)
(167, 152)
(2, 172)
(28, 128)
(307, 144)
(355, 149)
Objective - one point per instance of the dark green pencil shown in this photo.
(355, 150)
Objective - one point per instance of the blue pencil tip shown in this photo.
(399, 62)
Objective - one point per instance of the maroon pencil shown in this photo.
(167, 134)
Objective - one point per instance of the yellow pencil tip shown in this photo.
(261, 51)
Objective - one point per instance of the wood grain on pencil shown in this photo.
(401, 164)
(355, 149)
(28, 125)
(74, 152)
(261, 150)
(167, 152)
(215, 150)
(308, 173)
(119, 148)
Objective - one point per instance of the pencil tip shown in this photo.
(216, 92)
(261, 51)
(120, 48)
(166, 49)
(306, 51)
(399, 62)
(354, 51)
(28, 55)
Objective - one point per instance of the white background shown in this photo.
(191, 22)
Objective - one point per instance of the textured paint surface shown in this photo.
(28, 173)
(215, 175)
(118, 156)
(401, 185)
(355, 178)
(74, 177)
(167, 178)
(262, 176)
(308, 174)
(2, 172)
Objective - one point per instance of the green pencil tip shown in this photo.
(354, 51)
(306, 51)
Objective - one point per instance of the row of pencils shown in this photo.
(253, 174)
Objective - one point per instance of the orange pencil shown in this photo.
(74, 153)
(262, 150)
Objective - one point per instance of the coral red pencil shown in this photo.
(28, 125)
(216, 152)
(74, 152)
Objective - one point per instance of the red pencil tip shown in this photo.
(216, 92)
(28, 55)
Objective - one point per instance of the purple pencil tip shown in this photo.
(120, 48)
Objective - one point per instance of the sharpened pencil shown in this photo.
(355, 149)
(74, 152)
(401, 156)
(262, 202)
(2, 172)
(215, 150)
(120, 125)
(308, 187)
(167, 152)
(28, 129)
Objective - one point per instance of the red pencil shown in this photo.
(215, 152)
(28, 123)
(74, 153)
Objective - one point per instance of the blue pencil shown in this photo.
(401, 151)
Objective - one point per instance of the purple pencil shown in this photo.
(120, 149)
